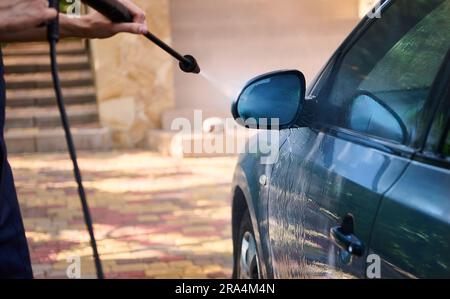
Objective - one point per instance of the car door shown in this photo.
(372, 111)
(411, 236)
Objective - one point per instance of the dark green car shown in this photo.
(361, 184)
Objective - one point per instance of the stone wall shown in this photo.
(134, 79)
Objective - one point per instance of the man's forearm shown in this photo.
(92, 25)
(37, 34)
(69, 27)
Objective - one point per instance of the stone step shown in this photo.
(46, 97)
(53, 140)
(182, 145)
(30, 49)
(44, 80)
(41, 63)
(39, 52)
(32, 118)
(169, 115)
(49, 117)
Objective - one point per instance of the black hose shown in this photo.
(73, 157)
(116, 12)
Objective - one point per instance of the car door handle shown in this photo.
(347, 242)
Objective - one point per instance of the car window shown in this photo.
(447, 145)
(385, 79)
(321, 79)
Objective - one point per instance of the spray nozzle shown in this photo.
(189, 65)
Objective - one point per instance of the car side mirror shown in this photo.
(271, 101)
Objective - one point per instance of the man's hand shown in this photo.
(19, 15)
(28, 14)
(95, 25)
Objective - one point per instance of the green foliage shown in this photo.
(447, 146)
(413, 61)
(64, 4)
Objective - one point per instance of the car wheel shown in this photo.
(246, 261)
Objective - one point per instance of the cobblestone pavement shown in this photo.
(155, 217)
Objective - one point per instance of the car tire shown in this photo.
(246, 261)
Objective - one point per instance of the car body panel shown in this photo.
(247, 178)
(318, 180)
(412, 231)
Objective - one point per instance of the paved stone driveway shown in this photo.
(155, 217)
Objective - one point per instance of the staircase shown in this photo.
(32, 117)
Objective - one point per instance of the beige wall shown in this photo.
(134, 78)
(235, 40)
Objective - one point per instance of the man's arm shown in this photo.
(30, 35)
(93, 25)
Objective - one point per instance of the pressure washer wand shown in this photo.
(118, 13)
